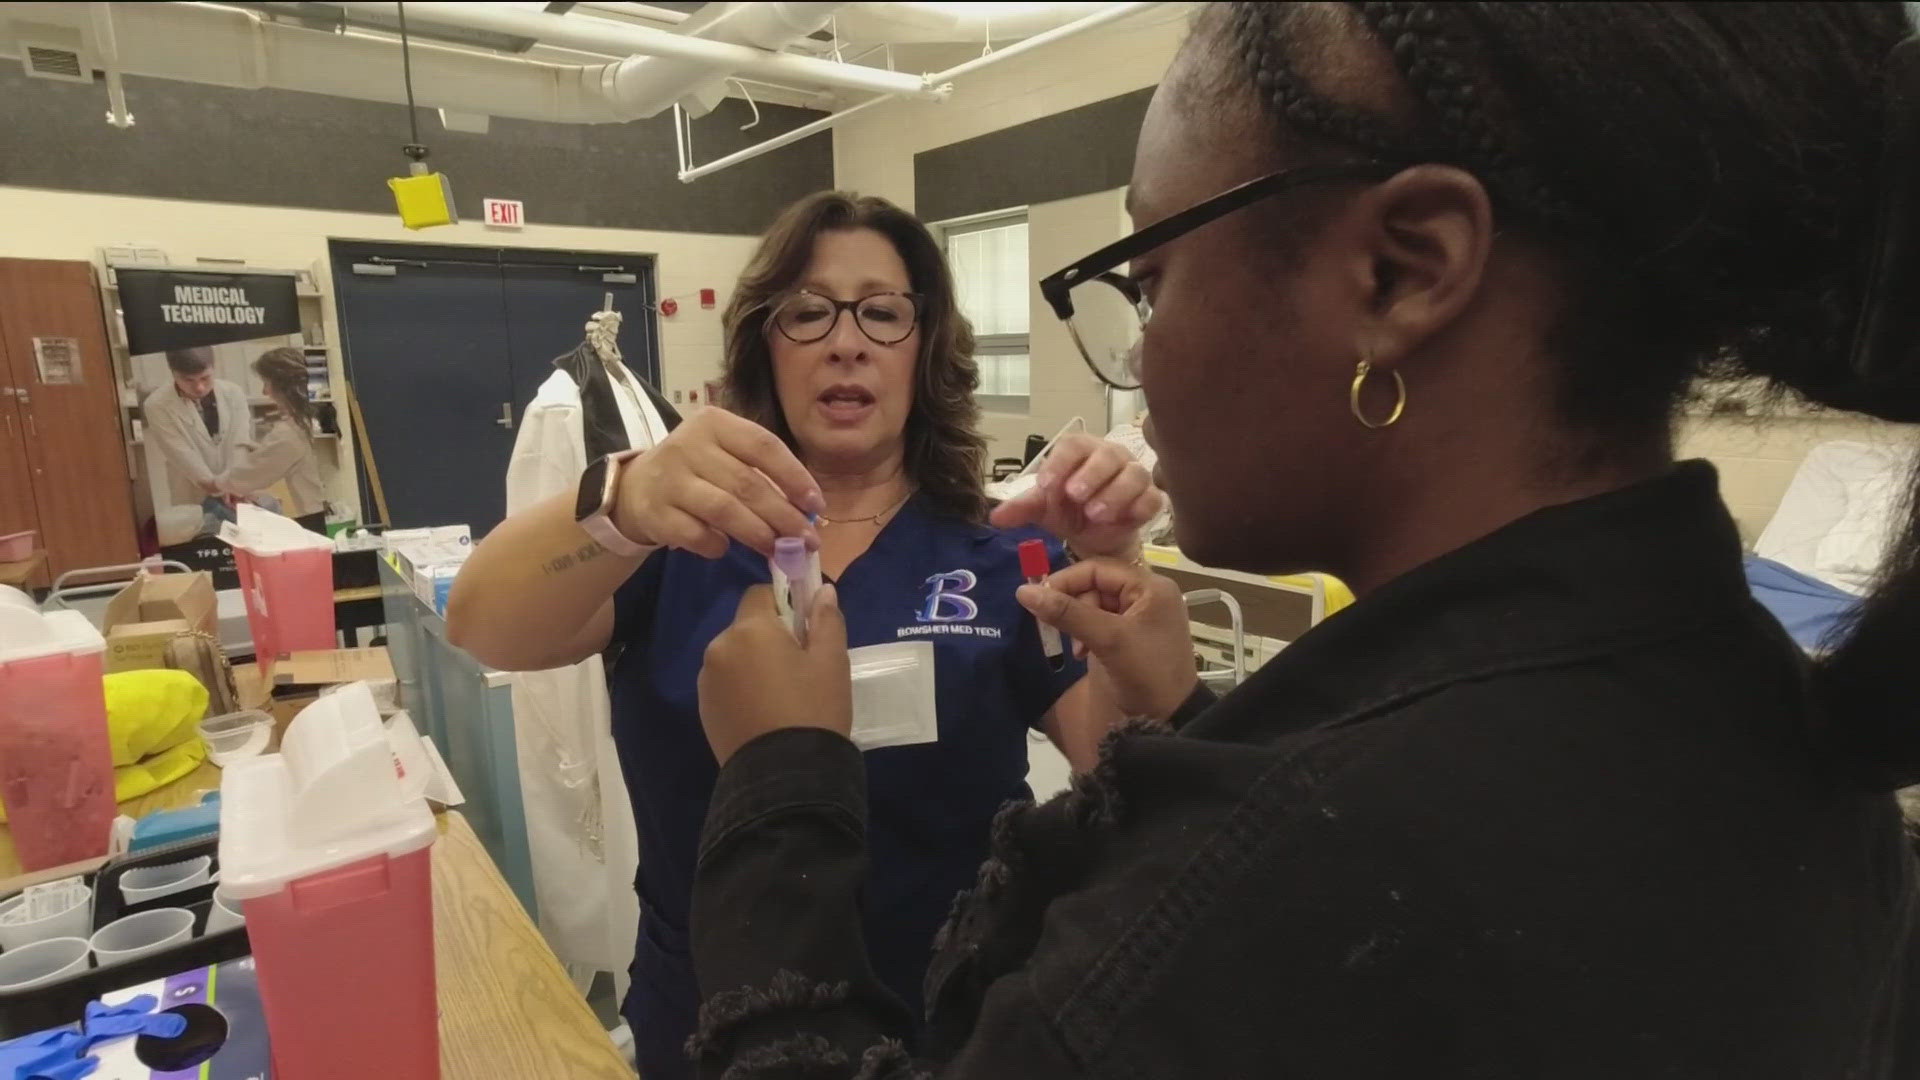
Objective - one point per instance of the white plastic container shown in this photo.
(132, 936)
(43, 962)
(224, 915)
(146, 883)
(67, 911)
(325, 846)
(236, 736)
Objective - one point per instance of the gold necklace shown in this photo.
(825, 520)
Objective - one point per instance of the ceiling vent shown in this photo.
(52, 52)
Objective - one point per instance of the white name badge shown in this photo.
(893, 695)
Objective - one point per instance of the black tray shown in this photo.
(57, 1004)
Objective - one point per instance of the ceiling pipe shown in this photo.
(599, 35)
(108, 47)
(919, 23)
(225, 46)
(648, 12)
(939, 81)
(649, 84)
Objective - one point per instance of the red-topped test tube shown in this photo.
(1035, 566)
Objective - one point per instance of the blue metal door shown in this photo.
(445, 346)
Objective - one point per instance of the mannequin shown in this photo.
(579, 819)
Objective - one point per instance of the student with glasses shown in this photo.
(850, 420)
(1416, 292)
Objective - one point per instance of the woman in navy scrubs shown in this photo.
(850, 381)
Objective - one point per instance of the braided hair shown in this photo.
(1704, 174)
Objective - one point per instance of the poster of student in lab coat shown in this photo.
(195, 336)
(194, 426)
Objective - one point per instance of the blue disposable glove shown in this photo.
(134, 1017)
(47, 1055)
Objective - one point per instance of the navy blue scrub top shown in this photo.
(926, 576)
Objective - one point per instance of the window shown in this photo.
(989, 260)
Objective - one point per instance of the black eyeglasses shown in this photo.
(886, 317)
(1104, 309)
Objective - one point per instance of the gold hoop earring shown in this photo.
(1360, 381)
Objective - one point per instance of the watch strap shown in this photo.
(599, 524)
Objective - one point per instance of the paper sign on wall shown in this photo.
(503, 213)
(58, 359)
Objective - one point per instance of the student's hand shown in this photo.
(717, 476)
(757, 678)
(1090, 493)
(1131, 622)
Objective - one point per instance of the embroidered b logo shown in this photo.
(947, 600)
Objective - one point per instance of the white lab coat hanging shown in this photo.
(580, 828)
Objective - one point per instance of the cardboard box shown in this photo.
(144, 616)
(325, 667)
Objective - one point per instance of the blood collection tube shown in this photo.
(1034, 566)
(796, 577)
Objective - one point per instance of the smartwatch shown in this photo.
(593, 505)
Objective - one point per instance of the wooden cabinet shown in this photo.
(63, 462)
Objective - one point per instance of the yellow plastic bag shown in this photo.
(152, 710)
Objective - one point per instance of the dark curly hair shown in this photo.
(284, 371)
(1705, 173)
(944, 449)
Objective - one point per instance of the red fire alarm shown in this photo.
(706, 298)
(669, 306)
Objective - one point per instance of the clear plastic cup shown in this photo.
(71, 919)
(222, 916)
(144, 883)
(42, 962)
(142, 934)
(236, 736)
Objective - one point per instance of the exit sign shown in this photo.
(504, 213)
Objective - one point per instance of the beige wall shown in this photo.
(873, 154)
(71, 225)
(1758, 457)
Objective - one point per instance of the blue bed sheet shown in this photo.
(1811, 610)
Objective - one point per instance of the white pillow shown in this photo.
(1850, 554)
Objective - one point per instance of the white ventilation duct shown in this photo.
(934, 23)
(223, 46)
(226, 46)
(696, 87)
(705, 50)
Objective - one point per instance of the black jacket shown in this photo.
(1551, 806)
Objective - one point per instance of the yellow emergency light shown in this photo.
(425, 199)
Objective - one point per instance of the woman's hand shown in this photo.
(1132, 623)
(717, 476)
(757, 678)
(1092, 494)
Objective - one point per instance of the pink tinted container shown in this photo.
(56, 766)
(15, 547)
(329, 855)
(289, 597)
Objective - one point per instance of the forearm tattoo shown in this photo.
(586, 553)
